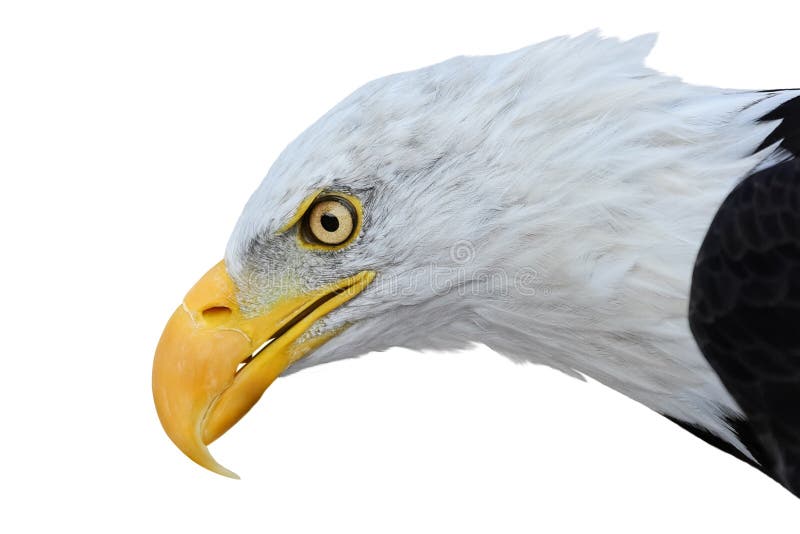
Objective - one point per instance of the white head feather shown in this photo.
(548, 203)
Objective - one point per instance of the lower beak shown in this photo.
(212, 363)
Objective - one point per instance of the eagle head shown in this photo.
(544, 202)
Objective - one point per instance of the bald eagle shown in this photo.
(562, 204)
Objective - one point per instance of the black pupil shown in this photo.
(329, 222)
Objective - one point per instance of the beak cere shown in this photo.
(212, 363)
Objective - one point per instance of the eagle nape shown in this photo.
(562, 204)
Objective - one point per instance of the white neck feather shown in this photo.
(572, 169)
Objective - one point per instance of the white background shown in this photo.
(130, 138)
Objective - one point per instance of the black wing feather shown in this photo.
(788, 131)
(745, 308)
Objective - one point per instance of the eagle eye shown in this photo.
(331, 220)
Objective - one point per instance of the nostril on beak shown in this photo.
(216, 314)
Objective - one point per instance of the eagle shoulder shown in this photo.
(744, 308)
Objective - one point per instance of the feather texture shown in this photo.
(548, 202)
(745, 312)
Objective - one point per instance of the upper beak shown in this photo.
(208, 370)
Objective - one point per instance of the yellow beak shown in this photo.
(212, 363)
